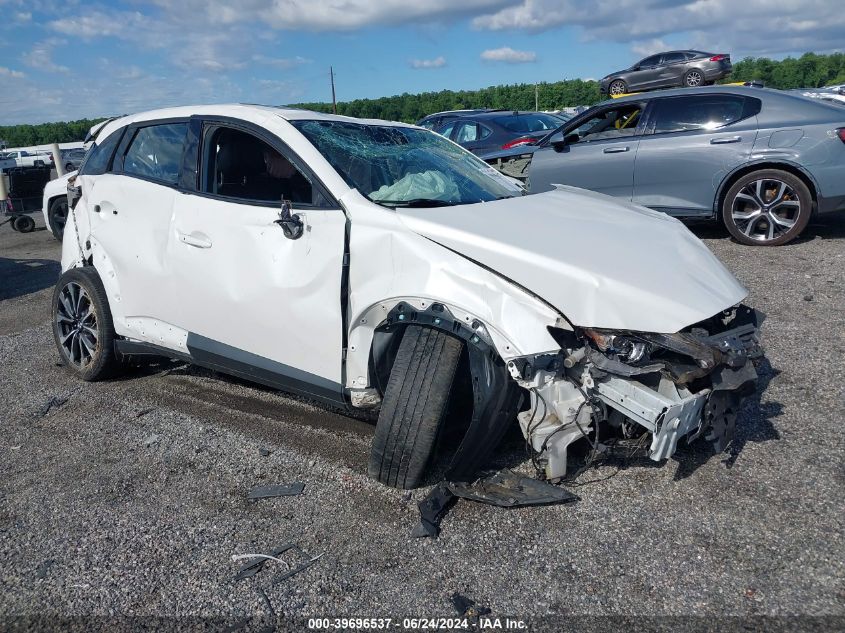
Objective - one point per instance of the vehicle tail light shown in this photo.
(517, 142)
(717, 58)
(841, 134)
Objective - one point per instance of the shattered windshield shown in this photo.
(403, 166)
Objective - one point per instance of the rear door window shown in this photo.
(674, 58)
(155, 152)
(708, 112)
(467, 132)
(98, 160)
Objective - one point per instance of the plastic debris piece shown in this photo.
(278, 490)
(467, 608)
(504, 489)
(53, 403)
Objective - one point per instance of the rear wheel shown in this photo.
(414, 406)
(57, 215)
(617, 87)
(23, 223)
(68, 167)
(769, 207)
(693, 78)
(82, 324)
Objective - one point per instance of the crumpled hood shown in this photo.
(601, 262)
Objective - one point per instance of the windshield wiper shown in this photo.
(416, 203)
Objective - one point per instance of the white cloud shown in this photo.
(437, 62)
(283, 63)
(508, 55)
(758, 27)
(649, 47)
(40, 56)
(13, 74)
(23, 16)
(96, 23)
(352, 14)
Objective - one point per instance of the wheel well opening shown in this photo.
(759, 167)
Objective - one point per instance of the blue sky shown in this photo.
(72, 59)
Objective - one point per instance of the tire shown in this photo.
(57, 215)
(757, 211)
(617, 87)
(414, 406)
(86, 344)
(68, 167)
(23, 224)
(693, 78)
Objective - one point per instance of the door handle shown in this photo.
(615, 150)
(198, 240)
(724, 140)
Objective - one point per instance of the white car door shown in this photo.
(130, 209)
(255, 302)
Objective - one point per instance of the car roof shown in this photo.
(235, 110)
(749, 91)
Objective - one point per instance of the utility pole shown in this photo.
(536, 98)
(334, 101)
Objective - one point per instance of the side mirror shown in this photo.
(291, 224)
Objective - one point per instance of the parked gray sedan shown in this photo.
(671, 69)
(762, 160)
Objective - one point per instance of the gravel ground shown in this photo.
(127, 498)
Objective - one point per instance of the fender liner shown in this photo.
(496, 398)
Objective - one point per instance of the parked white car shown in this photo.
(404, 275)
(54, 205)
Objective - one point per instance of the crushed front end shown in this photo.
(688, 385)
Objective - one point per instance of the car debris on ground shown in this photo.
(505, 489)
(258, 561)
(277, 490)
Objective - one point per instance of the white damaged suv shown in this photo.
(378, 265)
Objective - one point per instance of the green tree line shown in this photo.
(808, 71)
(41, 134)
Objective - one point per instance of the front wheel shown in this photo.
(82, 325)
(769, 207)
(414, 406)
(617, 87)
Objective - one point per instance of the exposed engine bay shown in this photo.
(671, 386)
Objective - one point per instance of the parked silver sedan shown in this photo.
(762, 160)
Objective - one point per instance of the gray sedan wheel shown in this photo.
(767, 208)
(617, 87)
(693, 78)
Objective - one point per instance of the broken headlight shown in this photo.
(624, 348)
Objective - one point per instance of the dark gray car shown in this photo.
(484, 132)
(761, 160)
(671, 69)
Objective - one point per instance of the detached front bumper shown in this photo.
(667, 397)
